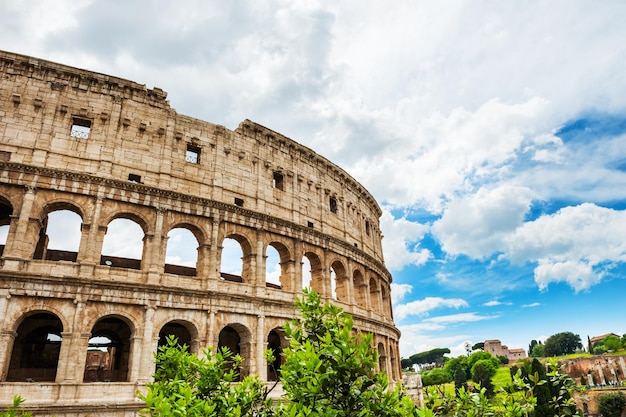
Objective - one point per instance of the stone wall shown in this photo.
(78, 329)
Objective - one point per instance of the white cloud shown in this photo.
(400, 243)
(477, 224)
(492, 303)
(458, 318)
(423, 307)
(398, 291)
(531, 305)
(573, 245)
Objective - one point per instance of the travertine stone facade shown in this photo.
(78, 329)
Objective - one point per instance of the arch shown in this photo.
(123, 243)
(386, 300)
(316, 281)
(237, 338)
(236, 246)
(276, 343)
(382, 358)
(360, 289)
(338, 274)
(181, 254)
(6, 211)
(109, 350)
(60, 234)
(185, 333)
(277, 266)
(393, 361)
(35, 354)
(374, 295)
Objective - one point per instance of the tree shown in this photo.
(330, 370)
(406, 363)
(430, 356)
(538, 351)
(460, 380)
(611, 405)
(481, 375)
(562, 344)
(186, 385)
(532, 345)
(541, 390)
(479, 346)
(612, 343)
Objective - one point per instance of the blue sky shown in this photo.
(493, 134)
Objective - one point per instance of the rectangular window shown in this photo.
(193, 154)
(333, 205)
(239, 202)
(80, 128)
(367, 227)
(310, 224)
(278, 181)
(134, 178)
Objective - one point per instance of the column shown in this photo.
(298, 254)
(146, 365)
(260, 348)
(7, 336)
(23, 238)
(89, 251)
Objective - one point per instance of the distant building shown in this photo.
(496, 348)
(600, 338)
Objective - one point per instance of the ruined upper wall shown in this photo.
(133, 134)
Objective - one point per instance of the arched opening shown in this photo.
(123, 244)
(360, 289)
(382, 358)
(338, 275)
(36, 349)
(394, 365)
(59, 238)
(306, 273)
(108, 352)
(5, 221)
(276, 342)
(181, 255)
(231, 263)
(278, 266)
(386, 301)
(179, 331)
(314, 271)
(374, 295)
(273, 270)
(237, 339)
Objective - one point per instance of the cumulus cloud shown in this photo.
(477, 224)
(423, 307)
(398, 291)
(575, 245)
(401, 242)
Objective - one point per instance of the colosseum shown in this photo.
(83, 154)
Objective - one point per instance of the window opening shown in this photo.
(367, 227)
(231, 264)
(278, 181)
(134, 178)
(80, 128)
(333, 205)
(193, 154)
(181, 254)
(239, 202)
(310, 224)
(272, 268)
